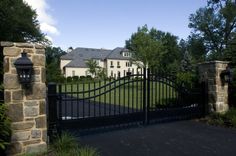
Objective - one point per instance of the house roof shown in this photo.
(80, 55)
(117, 54)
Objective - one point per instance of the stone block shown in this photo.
(43, 75)
(14, 148)
(6, 65)
(7, 96)
(15, 112)
(20, 136)
(37, 71)
(38, 91)
(17, 95)
(44, 135)
(39, 46)
(7, 44)
(31, 103)
(22, 125)
(36, 78)
(36, 148)
(29, 142)
(24, 45)
(11, 81)
(40, 51)
(42, 107)
(11, 51)
(36, 133)
(41, 122)
(31, 111)
(29, 51)
(38, 60)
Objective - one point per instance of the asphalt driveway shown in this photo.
(180, 138)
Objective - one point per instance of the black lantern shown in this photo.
(24, 68)
(226, 75)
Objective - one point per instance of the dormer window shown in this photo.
(126, 54)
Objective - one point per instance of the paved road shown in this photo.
(180, 138)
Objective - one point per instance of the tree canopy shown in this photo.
(215, 24)
(18, 22)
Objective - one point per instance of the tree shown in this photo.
(170, 58)
(53, 71)
(144, 47)
(93, 66)
(18, 22)
(215, 24)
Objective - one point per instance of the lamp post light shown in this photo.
(24, 68)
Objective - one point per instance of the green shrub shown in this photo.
(69, 79)
(88, 151)
(65, 143)
(75, 78)
(5, 130)
(82, 77)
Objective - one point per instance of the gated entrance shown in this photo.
(135, 98)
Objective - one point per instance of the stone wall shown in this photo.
(26, 106)
(217, 89)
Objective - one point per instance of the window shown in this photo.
(111, 64)
(118, 64)
(73, 73)
(118, 74)
(111, 73)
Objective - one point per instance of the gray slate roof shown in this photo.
(80, 55)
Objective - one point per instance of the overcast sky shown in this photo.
(108, 23)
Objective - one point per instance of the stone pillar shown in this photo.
(26, 107)
(217, 90)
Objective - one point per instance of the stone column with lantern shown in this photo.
(25, 96)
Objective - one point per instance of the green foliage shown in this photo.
(227, 119)
(75, 78)
(88, 151)
(92, 65)
(53, 70)
(69, 79)
(215, 24)
(186, 79)
(18, 22)
(5, 130)
(144, 47)
(66, 144)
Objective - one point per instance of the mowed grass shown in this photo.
(128, 93)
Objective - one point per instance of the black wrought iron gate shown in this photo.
(135, 98)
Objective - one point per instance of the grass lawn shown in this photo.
(127, 93)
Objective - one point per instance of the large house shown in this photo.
(116, 62)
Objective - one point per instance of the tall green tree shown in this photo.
(215, 24)
(53, 71)
(18, 22)
(144, 47)
(93, 66)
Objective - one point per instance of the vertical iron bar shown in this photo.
(128, 93)
(105, 96)
(144, 96)
(77, 101)
(94, 100)
(71, 103)
(83, 100)
(148, 95)
(110, 96)
(99, 98)
(119, 95)
(89, 99)
(115, 104)
(66, 97)
(133, 94)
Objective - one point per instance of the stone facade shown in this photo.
(217, 89)
(26, 106)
